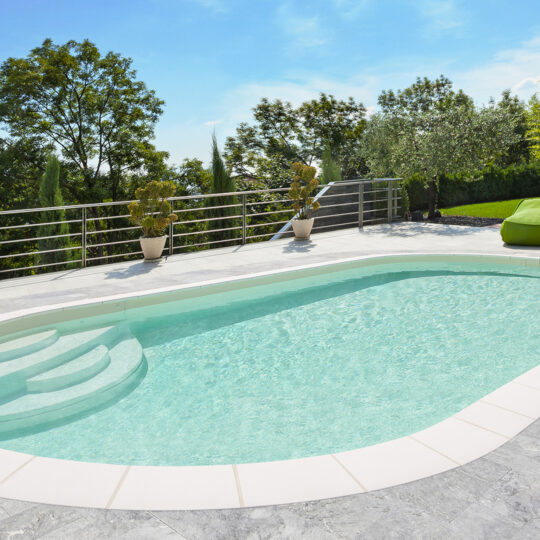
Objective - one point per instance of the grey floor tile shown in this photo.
(497, 496)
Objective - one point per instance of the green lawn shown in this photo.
(498, 209)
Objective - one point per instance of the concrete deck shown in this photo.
(58, 288)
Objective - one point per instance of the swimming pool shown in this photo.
(313, 363)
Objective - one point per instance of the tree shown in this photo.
(330, 171)
(431, 130)
(519, 151)
(192, 178)
(283, 134)
(90, 106)
(533, 127)
(50, 195)
(22, 162)
(222, 182)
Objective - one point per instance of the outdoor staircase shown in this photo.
(47, 379)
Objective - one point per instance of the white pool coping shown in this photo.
(469, 434)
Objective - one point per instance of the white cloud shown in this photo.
(349, 9)
(441, 15)
(304, 32)
(218, 6)
(213, 122)
(517, 69)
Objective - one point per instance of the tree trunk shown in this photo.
(432, 196)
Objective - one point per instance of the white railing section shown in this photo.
(98, 233)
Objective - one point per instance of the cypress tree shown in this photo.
(222, 182)
(329, 168)
(50, 195)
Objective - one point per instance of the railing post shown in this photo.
(396, 195)
(83, 237)
(390, 199)
(360, 204)
(243, 218)
(171, 232)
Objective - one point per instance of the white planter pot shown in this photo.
(152, 247)
(302, 228)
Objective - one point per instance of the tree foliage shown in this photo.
(222, 182)
(518, 152)
(430, 129)
(22, 162)
(283, 134)
(90, 106)
(533, 127)
(50, 195)
(330, 171)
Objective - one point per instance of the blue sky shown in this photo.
(212, 60)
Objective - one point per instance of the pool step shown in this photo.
(41, 410)
(15, 372)
(26, 345)
(76, 371)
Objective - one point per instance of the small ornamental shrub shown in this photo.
(152, 212)
(301, 190)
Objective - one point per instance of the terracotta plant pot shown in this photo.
(152, 247)
(302, 228)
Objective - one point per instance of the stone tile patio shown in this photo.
(494, 497)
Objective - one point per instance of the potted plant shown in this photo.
(152, 212)
(300, 193)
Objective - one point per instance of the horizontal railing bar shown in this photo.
(338, 215)
(39, 266)
(39, 238)
(272, 212)
(385, 190)
(107, 231)
(184, 210)
(204, 220)
(255, 225)
(26, 225)
(88, 246)
(278, 201)
(31, 253)
(104, 218)
(208, 243)
(185, 197)
(209, 231)
(350, 203)
(353, 195)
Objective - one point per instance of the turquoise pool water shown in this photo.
(311, 366)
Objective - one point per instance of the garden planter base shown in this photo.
(152, 248)
(302, 228)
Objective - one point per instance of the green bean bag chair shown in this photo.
(523, 226)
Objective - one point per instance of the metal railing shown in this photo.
(41, 239)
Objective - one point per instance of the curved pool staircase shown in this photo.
(47, 378)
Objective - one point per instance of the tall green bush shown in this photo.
(490, 184)
(50, 195)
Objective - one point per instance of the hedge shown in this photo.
(491, 184)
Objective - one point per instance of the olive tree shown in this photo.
(429, 129)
